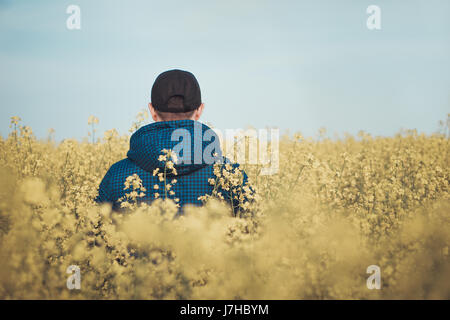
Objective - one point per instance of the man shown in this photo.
(175, 157)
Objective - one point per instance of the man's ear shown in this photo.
(153, 112)
(199, 112)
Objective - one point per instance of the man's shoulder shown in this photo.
(122, 165)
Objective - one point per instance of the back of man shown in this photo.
(174, 157)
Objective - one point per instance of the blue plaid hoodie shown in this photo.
(146, 145)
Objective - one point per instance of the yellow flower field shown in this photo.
(334, 208)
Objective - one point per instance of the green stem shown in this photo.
(165, 180)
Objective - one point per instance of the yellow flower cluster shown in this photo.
(334, 208)
(242, 198)
(169, 159)
(134, 183)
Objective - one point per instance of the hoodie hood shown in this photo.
(194, 143)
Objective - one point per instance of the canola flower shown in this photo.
(310, 231)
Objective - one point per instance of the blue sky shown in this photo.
(297, 65)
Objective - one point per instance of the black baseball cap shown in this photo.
(176, 83)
